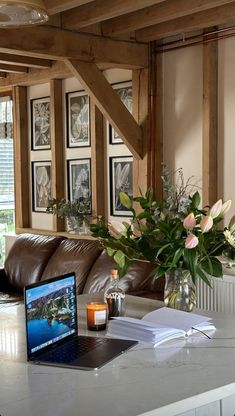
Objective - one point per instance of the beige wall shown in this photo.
(182, 124)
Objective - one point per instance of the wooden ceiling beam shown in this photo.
(3, 74)
(52, 43)
(9, 58)
(167, 10)
(99, 10)
(201, 20)
(57, 6)
(37, 76)
(108, 102)
(13, 68)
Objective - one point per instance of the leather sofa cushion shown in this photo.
(28, 257)
(73, 256)
(137, 277)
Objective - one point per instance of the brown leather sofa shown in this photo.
(34, 258)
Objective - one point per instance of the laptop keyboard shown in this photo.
(72, 350)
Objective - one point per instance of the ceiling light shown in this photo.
(22, 13)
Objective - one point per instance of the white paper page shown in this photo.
(176, 319)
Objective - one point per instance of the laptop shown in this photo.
(52, 328)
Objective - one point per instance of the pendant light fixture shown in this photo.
(22, 13)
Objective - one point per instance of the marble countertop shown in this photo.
(172, 378)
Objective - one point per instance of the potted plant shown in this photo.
(181, 239)
(76, 213)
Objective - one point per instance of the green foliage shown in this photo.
(161, 232)
(76, 213)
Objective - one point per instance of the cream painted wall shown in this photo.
(226, 121)
(182, 124)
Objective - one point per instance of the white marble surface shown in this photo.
(170, 379)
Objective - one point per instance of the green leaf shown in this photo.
(196, 199)
(119, 258)
(110, 251)
(125, 200)
(177, 256)
(190, 257)
(162, 249)
(203, 276)
(212, 266)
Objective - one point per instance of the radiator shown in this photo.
(221, 298)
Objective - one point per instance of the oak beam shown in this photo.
(99, 10)
(57, 147)
(9, 58)
(98, 161)
(21, 159)
(17, 69)
(140, 98)
(108, 102)
(37, 76)
(57, 6)
(210, 127)
(158, 13)
(216, 16)
(53, 43)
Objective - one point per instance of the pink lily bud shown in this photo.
(116, 229)
(226, 207)
(216, 209)
(206, 223)
(189, 221)
(191, 241)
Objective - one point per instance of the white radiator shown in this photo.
(221, 298)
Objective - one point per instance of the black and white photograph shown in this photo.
(120, 181)
(40, 123)
(41, 183)
(78, 119)
(124, 91)
(79, 182)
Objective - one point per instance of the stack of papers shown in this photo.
(159, 326)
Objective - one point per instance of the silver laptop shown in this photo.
(52, 328)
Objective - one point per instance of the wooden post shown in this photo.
(97, 161)
(21, 157)
(210, 129)
(147, 110)
(57, 147)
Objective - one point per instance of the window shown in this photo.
(7, 199)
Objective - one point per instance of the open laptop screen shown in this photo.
(51, 313)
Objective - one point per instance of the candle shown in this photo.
(96, 316)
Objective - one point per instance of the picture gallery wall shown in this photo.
(77, 149)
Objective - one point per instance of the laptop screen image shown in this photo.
(51, 312)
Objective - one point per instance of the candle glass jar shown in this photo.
(96, 316)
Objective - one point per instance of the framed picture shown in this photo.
(78, 119)
(40, 123)
(79, 182)
(124, 91)
(41, 184)
(120, 180)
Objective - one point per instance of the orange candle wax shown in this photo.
(96, 316)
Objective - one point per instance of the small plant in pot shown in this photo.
(77, 213)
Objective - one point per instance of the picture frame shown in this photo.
(79, 181)
(78, 119)
(124, 91)
(40, 124)
(121, 174)
(41, 185)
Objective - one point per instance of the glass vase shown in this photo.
(180, 291)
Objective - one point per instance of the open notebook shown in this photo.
(161, 325)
